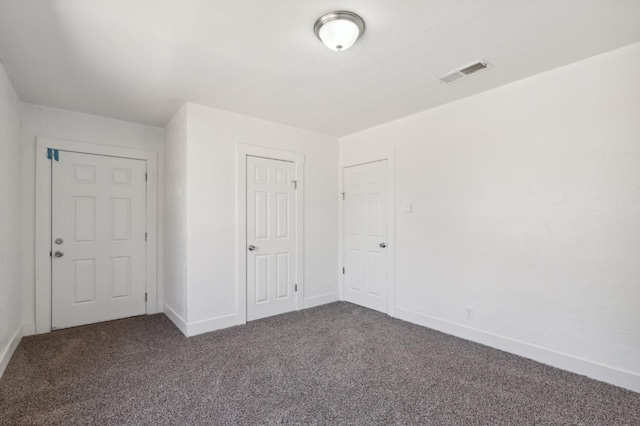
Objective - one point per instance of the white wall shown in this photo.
(526, 208)
(211, 209)
(74, 126)
(175, 216)
(10, 323)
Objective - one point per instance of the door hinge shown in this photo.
(145, 236)
(295, 184)
(296, 287)
(145, 297)
(342, 195)
(343, 270)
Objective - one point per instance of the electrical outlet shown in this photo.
(469, 312)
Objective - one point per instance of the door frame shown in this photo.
(242, 152)
(43, 220)
(365, 158)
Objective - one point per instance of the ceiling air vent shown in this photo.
(464, 72)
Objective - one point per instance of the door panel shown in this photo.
(365, 213)
(98, 213)
(271, 229)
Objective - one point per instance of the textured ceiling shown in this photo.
(140, 60)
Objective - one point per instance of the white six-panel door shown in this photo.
(271, 237)
(98, 206)
(365, 235)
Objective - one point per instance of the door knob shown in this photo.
(252, 247)
(383, 245)
(58, 254)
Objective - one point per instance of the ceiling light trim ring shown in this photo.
(338, 14)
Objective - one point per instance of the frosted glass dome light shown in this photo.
(339, 30)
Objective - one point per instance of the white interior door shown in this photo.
(98, 214)
(365, 233)
(271, 237)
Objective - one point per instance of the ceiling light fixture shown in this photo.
(338, 30)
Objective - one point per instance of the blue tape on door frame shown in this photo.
(53, 154)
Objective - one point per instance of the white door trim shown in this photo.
(43, 220)
(371, 157)
(242, 151)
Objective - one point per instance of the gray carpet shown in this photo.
(335, 364)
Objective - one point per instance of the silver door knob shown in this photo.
(383, 245)
(58, 254)
(252, 247)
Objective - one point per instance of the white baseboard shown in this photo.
(7, 352)
(211, 324)
(176, 319)
(323, 299)
(28, 329)
(198, 327)
(225, 321)
(594, 370)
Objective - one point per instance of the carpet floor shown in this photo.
(334, 364)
